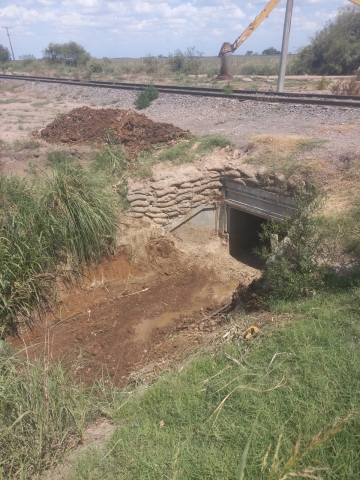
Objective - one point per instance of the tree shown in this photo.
(249, 52)
(185, 62)
(335, 49)
(4, 54)
(70, 53)
(271, 51)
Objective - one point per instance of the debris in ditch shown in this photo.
(97, 127)
(251, 332)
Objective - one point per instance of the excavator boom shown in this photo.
(231, 47)
(357, 2)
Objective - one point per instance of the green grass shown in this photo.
(43, 413)
(186, 151)
(28, 144)
(40, 104)
(195, 424)
(8, 100)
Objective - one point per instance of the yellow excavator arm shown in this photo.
(228, 47)
(231, 47)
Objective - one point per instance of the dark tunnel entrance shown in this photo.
(243, 230)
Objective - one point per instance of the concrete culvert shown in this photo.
(243, 230)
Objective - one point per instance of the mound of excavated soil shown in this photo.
(86, 125)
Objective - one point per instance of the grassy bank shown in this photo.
(300, 397)
(52, 225)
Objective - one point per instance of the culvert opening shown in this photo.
(243, 230)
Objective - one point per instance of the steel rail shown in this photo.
(251, 95)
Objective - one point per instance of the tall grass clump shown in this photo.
(50, 227)
(43, 413)
(81, 218)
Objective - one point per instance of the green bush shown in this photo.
(188, 62)
(294, 266)
(145, 97)
(335, 49)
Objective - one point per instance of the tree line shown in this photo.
(333, 50)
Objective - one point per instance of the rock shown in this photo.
(246, 79)
(236, 153)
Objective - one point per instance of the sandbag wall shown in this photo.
(175, 192)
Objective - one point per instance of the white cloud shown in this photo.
(135, 27)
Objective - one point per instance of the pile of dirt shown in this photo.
(84, 125)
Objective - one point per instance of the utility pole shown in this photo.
(285, 45)
(8, 34)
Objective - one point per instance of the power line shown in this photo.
(8, 34)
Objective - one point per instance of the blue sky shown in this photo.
(136, 28)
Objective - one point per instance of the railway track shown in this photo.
(241, 95)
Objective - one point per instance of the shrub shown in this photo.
(4, 54)
(145, 97)
(151, 64)
(294, 267)
(335, 49)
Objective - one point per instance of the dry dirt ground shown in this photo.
(153, 300)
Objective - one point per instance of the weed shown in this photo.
(145, 97)
(346, 87)
(40, 104)
(228, 89)
(43, 413)
(322, 84)
(8, 100)
(28, 144)
(186, 151)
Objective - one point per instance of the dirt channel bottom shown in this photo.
(129, 314)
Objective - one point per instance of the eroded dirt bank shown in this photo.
(143, 305)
